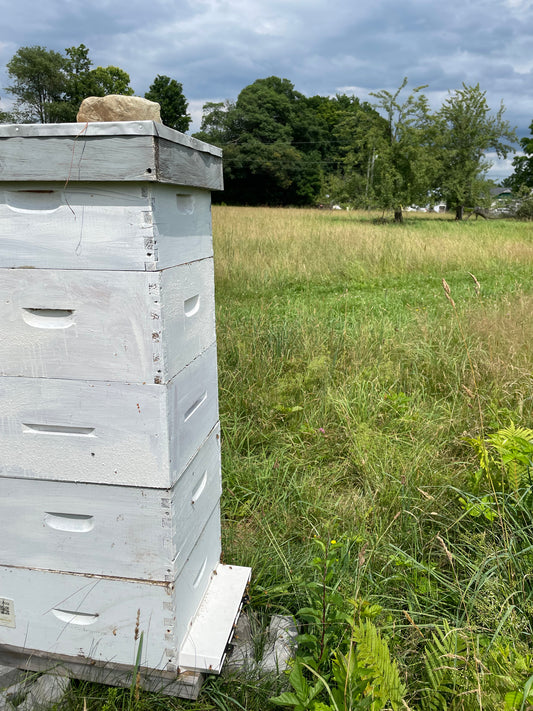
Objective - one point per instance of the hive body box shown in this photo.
(109, 436)
(125, 326)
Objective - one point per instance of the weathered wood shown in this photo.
(186, 685)
(107, 432)
(119, 151)
(109, 530)
(137, 226)
(202, 169)
(141, 327)
(95, 616)
(204, 646)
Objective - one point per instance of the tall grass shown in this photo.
(347, 387)
(263, 246)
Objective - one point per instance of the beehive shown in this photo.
(109, 436)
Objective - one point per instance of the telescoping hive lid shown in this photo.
(111, 151)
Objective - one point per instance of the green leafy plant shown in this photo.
(505, 458)
(520, 700)
(328, 612)
(373, 666)
(304, 694)
(477, 508)
(341, 649)
(444, 657)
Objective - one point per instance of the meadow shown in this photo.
(376, 454)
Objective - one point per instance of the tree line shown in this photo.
(284, 148)
(48, 87)
(281, 147)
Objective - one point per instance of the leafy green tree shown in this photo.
(215, 126)
(168, 93)
(50, 87)
(467, 130)
(77, 83)
(110, 80)
(38, 77)
(6, 117)
(402, 165)
(78, 70)
(357, 130)
(269, 136)
(523, 165)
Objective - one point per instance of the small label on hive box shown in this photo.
(7, 612)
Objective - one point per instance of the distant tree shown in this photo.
(77, 83)
(270, 138)
(523, 165)
(467, 130)
(38, 77)
(78, 70)
(168, 93)
(524, 210)
(357, 129)
(401, 161)
(50, 87)
(6, 117)
(215, 126)
(110, 80)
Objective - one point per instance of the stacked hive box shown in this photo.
(109, 437)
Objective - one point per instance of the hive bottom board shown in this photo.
(101, 617)
(186, 684)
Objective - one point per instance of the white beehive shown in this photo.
(109, 437)
(137, 226)
(124, 531)
(105, 325)
(132, 434)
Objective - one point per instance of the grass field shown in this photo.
(350, 385)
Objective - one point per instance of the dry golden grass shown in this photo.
(265, 244)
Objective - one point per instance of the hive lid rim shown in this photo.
(105, 128)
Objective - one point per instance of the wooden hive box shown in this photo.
(137, 327)
(114, 531)
(100, 432)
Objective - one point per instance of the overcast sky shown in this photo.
(217, 47)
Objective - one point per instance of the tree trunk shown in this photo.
(459, 212)
(398, 214)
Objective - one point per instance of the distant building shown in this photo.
(501, 194)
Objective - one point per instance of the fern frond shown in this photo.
(377, 667)
(444, 646)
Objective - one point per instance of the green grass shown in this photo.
(348, 384)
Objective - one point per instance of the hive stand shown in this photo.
(109, 436)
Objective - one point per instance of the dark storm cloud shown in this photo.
(216, 47)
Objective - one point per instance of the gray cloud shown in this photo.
(216, 47)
